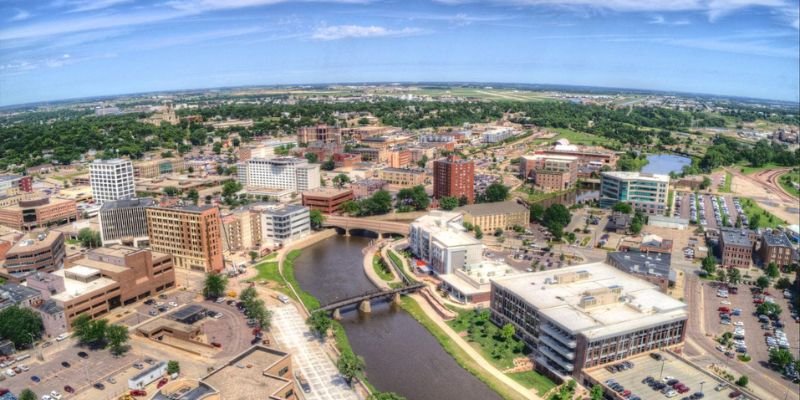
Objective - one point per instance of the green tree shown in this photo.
(249, 295)
(478, 232)
(351, 207)
(316, 218)
(743, 381)
(507, 332)
(710, 264)
(762, 282)
(423, 161)
(311, 157)
(27, 394)
(230, 188)
(537, 212)
(173, 367)
(81, 326)
(340, 180)
(494, 193)
(780, 357)
(498, 232)
(217, 147)
(596, 392)
(722, 276)
(117, 336)
(89, 238)
(773, 271)
(734, 276)
(328, 165)
(706, 183)
(755, 222)
(214, 285)
(448, 203)
(17, 324)
(385, 396)
(350, 365)
(319, 323)
(170, 191)
(194, 196)
(622, 207)
(253, 255)
(768, 309)
(414, 198)
(783, 283)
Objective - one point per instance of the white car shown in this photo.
(25, 368)
(738, 323)
(46, 397)
(62, 337)
(55, 395)
(725, 302)
(671, 394)
(173, 304)
(10, 372)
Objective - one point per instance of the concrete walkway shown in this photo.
(376, 280)
(471, 352)
(293, 335)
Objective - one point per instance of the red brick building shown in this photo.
(454, 177)
(327, 200)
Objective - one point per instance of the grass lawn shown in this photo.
(786, 179)
(581, 138)
(461, 357)
(288, 271)
(533, 379)
(747, 170)
(485, 336)
(767, 220)
(381, 268)
(726, 188)
(399, 264)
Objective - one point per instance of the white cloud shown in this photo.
(199, 37)
(356, 31)
(660, 20)
(21, 66)
(21, 15)
(93, 5)
(198, 6)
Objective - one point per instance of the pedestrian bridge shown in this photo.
(363, 301)
(379, 227)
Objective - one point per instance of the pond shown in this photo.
(665, 163)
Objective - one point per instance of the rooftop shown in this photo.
(776, 238)
(142, 202)
(654, 264)
(13, 294)
(111, 161)
(549, 157)
(405, 170)
(326, 192)
(185, 389)
(244, 378)
(504, 207)
(34, 242)
(737, 237)
(189, 208)
(639, 176)
(75, 288)
(635, 304)
(8, 178)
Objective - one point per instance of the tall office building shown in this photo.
(319, 133)
(454, 177)
(124, 221)
(290, 173)
(283, 224)
(191, 234)
(645, 192)
(111, 180)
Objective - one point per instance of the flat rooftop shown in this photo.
(637, 176)
(130, 203)
(243, 378)
(541, 156)
(504, 207)
(33, 243)
(653, 264)
(776, 238)
(643, 304)
(737, 237)
(326, 192)
(75, 289)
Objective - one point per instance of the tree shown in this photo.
(773, 271)
(340, 180)
(89, 238)
(734, 276)
(722, 276)
(173, 367)
(17, 324)
(253, 255)
(783, 283)
(412, 198)
(742, 381)
(117, 336)
(385, 396)
(478, 232)
(319, 323)
(214, 285)
(448, 203)
(193, 196)
(170, 191)
(780, 357)
(537, 212)
(230, 188)
(328, 165)
(706, 183)
(498, 232)
(316, 218)
(81, 326)
(217, 147)
(27, 394)
(622, 207)
(351, 207)
(494, 193)
(596, 393)
(312, 157)
(762, 282)
(755, 222)
(350, 365)
(710, 264)
(768, 309)
(507, 332)
(423, 161)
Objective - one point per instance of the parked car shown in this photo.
(217, 345)
(65, 364)
(99, 386)
(36, 379)
(83, 354)
(137, 393)
(162, 382)
(69, 389)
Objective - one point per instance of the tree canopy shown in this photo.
(18, 324)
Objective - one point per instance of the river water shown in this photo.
(401, 355)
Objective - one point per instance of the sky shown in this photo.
(60, 49)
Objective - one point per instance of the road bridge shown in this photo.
(379, 227)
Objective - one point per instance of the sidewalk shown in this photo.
(467, 348)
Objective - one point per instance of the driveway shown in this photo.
(291, 332)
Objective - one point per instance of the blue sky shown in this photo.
(57, 49)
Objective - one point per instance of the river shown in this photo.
(401, 355)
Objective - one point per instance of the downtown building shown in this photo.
(280, 173)
(319, 133)
(550, 173)
(441, 241)
(644, 192)
(454, 177)
(124, 222)
(283, 224)
(585, 316)
(191, 234)
(111, 180)
(35, 252)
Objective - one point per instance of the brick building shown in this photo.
(327, 200)
(38, 212)
(736, 248)
(454, 177)
(192, 234)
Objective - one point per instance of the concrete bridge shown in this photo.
(379, 227)
(364, 300)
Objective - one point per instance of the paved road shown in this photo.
(309, 356)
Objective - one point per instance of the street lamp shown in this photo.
(661, 374)
(33, 347)
(701, 385)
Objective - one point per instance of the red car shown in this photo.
(724, 310)
(137, 392)
(735, 393)
(161, 383)
(69, 389)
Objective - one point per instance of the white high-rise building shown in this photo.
(281, 225)
(441, 240)
(112, 180)
(290, 173)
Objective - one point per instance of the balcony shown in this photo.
(558, 335)
(555, 359)
(557, 347)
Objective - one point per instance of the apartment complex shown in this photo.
(38, 212)
(15, 184)
(454, 177)
(472, 283)
(111, 180)
(192, 234)
(491, 216)
(105, 278)
(588, 315)
(776, 248)
(289, 173)
(736, 248)
(402, 177)
(319, 133)
(644, 192)
(124, 221)
(497, 135)
(241, 229)
(281, 225)
(41, 252)
(367, 187)
(440, 240)
(549, 172)
(398, 157)
(156, 168)
(327, 200)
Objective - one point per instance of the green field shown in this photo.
(381, 269)
(766, 220)
(575, 137)
(786, 180)
(747, 170)
(726, 188)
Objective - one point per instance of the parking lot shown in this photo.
(696, 380)
(141, 312)
(754, 335)
(705, 210)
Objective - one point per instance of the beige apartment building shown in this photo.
(156, 168)
(491, 216)
(191, 234)
(241, 230)
(37, 212)
(403, 177)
